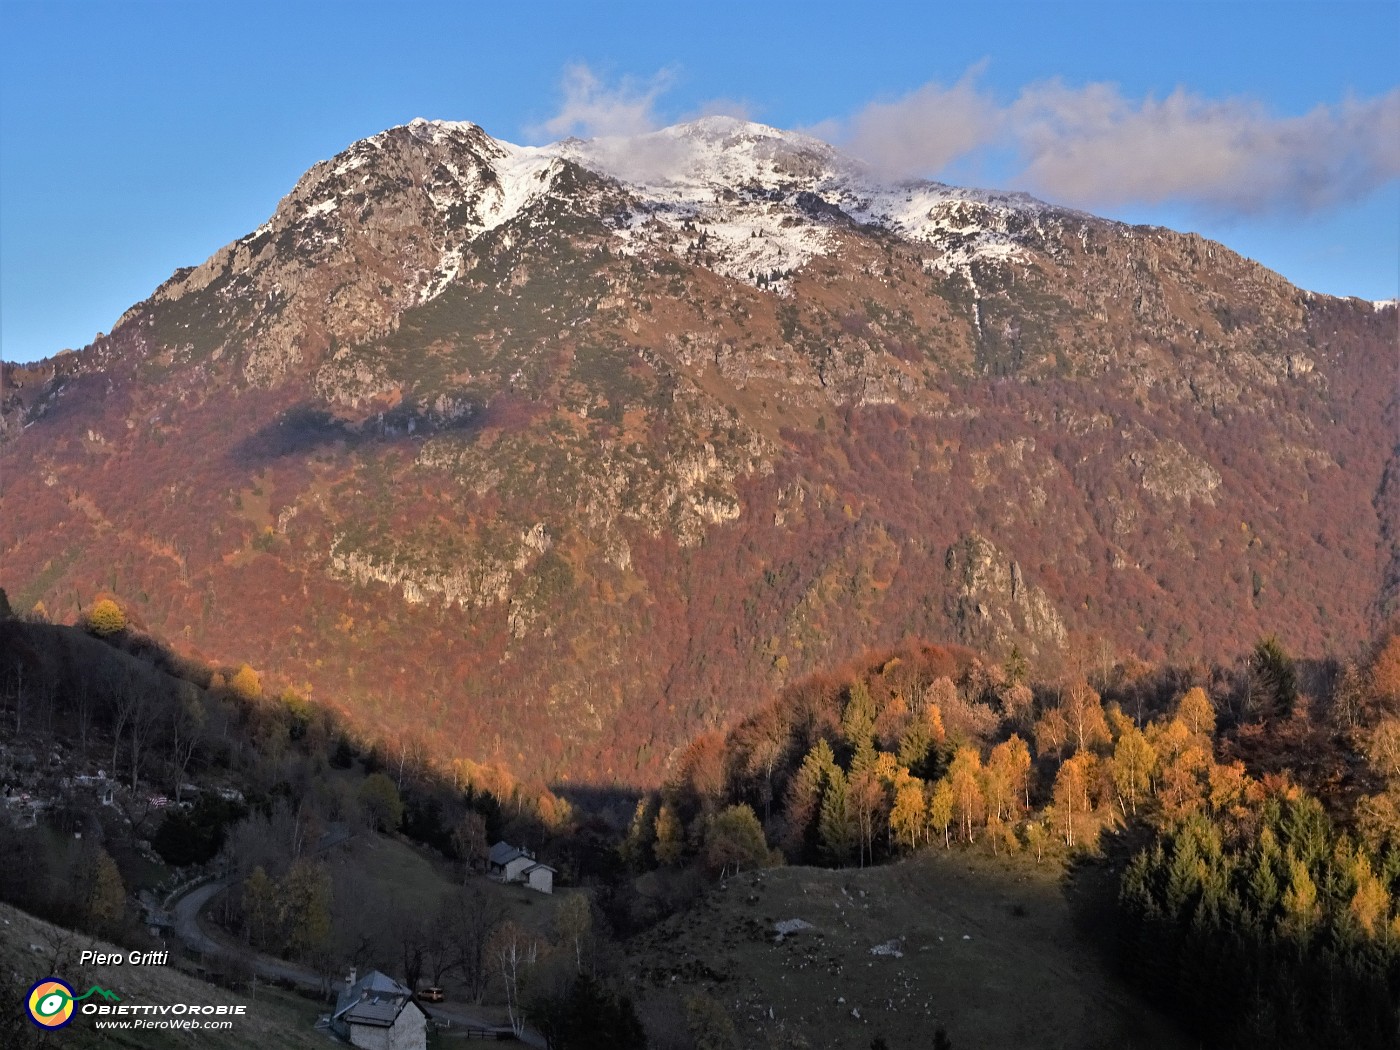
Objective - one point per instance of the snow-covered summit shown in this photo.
(767, 199)
(750, 201)
(709, 151)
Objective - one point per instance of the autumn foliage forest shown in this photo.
(1252, 815)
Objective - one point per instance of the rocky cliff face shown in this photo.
(993, 605)
(554, 455)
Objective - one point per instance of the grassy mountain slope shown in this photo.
(988, 951)
(272, 1019)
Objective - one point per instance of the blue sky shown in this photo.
(138, 137)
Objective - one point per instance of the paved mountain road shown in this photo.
(186, 911)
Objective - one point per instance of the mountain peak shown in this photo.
(746, 200)
(507, 422)
(737, 131)
(724, 124)
(769, 198)
(711, 150)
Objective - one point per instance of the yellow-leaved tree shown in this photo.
(1084, 713)
(1196, 710)
(1383, 676)
(1370, 904)
(1382, 747)
(1071, 791)
(908, 819)
(1300, 906)
(1008, 777)
(1037, 838)
(106, 618)
(573, 919)
(245, 684)
(260, 906)
(965, 779)
(1134, 760)
(940, 809)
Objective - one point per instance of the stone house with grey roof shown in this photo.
(378, 1013)
(508, 863)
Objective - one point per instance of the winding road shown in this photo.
(187, 908)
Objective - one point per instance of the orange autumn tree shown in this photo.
(1007, 778)
(1071, 792)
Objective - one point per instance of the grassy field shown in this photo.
(274, 1019)
(393, 867)
(417, 882)
(986, 948)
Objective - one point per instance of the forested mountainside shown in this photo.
(1228, 839)
(558, 456)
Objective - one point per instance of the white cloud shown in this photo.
(592, 108)
(617, 118)
(1094, 147)
(925, 130)
(1089, 146)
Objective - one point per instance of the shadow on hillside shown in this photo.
(306, 428)
(58, 659)
(1091, 889)
(603, 799)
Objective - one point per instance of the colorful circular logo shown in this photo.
(51, 1003)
